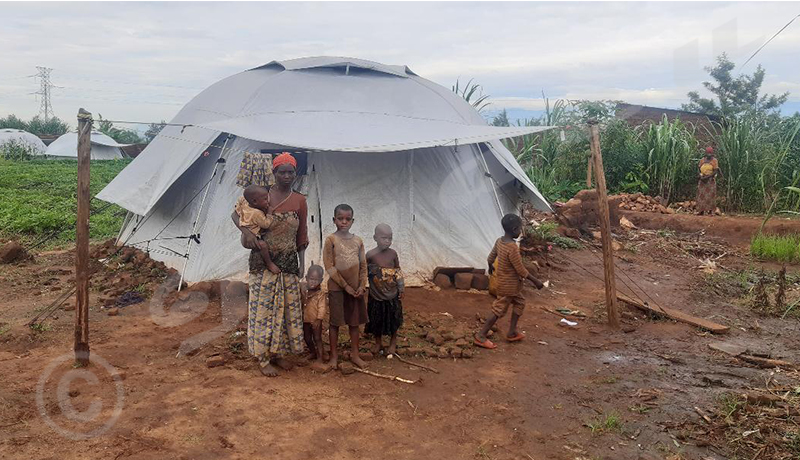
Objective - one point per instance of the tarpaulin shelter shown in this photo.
(398, 148)
(103, 147)
(18, 136)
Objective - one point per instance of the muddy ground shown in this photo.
(584, 392)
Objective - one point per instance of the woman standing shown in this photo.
(707, 183)
(275, 316)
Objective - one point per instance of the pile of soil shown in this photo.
(122, 275)
(581, 210)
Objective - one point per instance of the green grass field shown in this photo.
(38, 197)
(785, 248)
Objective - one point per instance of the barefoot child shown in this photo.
(253, 210)
(510, 273)
(385, 307)
(345, 261)
(315, 309)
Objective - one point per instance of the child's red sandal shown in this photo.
(488, 344)
(516, 338)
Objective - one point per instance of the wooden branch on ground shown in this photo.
(384, 376)
(767, 362)
(676, 315)
(403, 360)
(703, 415)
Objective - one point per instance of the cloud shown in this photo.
(144, 60)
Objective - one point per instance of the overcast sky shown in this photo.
(143, 61)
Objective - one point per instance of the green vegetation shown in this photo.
(610, 423)
(53, 126)
(123, 136)
(758, 150)
(37, 198)
(16, 150)
(735, 96)
(783, 248)
(546, 233)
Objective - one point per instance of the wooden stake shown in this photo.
(589, 171)
(82, 240)
(605, 226)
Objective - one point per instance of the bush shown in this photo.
(14, 149)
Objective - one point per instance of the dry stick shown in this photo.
(403, 360)
(384, 376)
(703, 415)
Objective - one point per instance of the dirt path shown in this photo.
(737, 230)
(563, 393)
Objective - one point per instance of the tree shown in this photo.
(13, 122)
(53, 126)
(734, 95)
(123, 136)
(501, 119)
(153, 130)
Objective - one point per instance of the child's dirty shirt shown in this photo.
(345, 262)
(510, 270)
(251, 218)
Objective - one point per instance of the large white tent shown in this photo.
(19, 136)
(398, 148)
(103, 147)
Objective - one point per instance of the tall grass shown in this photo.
(670, 146)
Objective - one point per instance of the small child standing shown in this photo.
(254, 214)
(386, 286)
(315, 308)
(345, 261)
(510, 273)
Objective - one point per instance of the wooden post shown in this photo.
(589, 171)
(605, 225)
(82, 240)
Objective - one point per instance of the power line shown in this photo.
(767, 42)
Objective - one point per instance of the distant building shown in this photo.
(636, 115)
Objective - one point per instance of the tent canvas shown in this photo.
(23, 137)
(398, 148)
(103, 147)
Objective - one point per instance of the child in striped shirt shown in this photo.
(510, 273)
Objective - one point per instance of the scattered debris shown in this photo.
(13, 252)
(676, 315)
(566, 322)
(384, 376)
(215, 361)
(767, 363)
(421, 366)
(728, 348)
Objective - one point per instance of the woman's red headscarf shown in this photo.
(709, 150)
(282, 159)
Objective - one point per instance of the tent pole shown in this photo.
(489, 176)
(200, 210)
